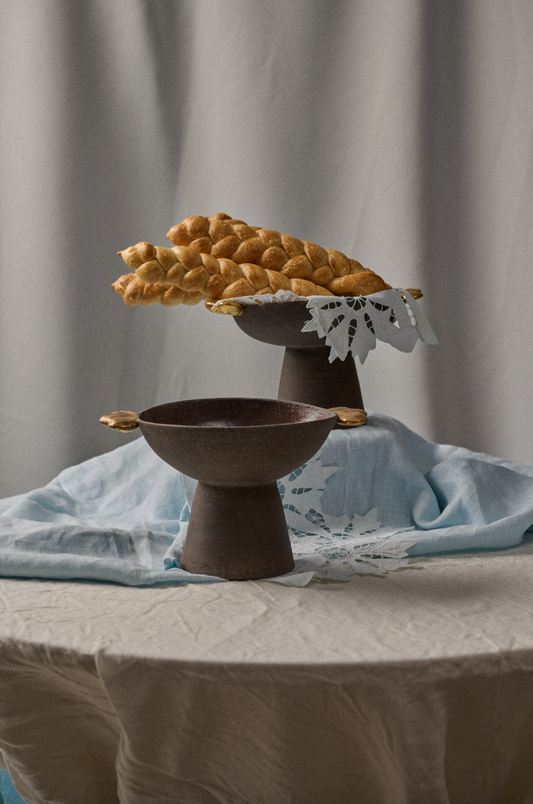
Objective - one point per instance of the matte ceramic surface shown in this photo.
(236, 448)
(306, 375)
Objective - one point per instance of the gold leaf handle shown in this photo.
(122, 420)
(350, 417)
(416, 293)
(225, 307)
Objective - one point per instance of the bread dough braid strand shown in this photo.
(136, 292)
(221, 258)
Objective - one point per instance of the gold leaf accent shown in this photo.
(122, 420)
(225, 307)
(350, 417)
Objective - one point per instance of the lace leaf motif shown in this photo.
(354, 324)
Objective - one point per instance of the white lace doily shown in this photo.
(354, 324)
(336, 547)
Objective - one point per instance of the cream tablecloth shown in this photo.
(416, 687)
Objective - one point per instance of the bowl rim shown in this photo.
(326, 414)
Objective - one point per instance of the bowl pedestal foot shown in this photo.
(237, 533)
(308, 376)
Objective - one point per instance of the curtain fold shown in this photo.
(399, 133)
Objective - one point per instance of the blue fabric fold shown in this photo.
(8, 793)
(451, 498)
(121, 517)
(112, 518)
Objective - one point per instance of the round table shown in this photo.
(415, 687)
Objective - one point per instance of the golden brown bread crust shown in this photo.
(222, 258)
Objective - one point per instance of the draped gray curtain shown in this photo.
(397, 132)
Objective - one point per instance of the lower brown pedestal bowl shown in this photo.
(236, 448)
(306, 375)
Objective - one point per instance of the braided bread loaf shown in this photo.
(222, 258)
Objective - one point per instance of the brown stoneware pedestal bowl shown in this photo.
(306, 375)
(236, 449)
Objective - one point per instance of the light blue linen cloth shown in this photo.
(8, 793)
(121, 516)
